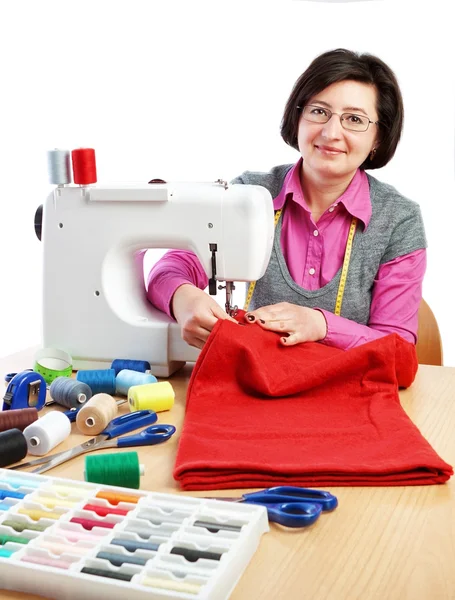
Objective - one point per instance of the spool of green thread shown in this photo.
(121, 469)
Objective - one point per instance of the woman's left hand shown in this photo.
(297, 323)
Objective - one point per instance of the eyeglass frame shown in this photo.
(302, 108)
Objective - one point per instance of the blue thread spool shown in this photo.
(70, 393)
(100, 381)
(127, 378)
(131, 365)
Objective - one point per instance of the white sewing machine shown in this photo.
(95, 305)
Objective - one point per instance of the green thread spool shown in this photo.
(121, 469)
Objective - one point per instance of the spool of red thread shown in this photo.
(84, 166)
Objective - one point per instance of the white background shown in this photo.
(195, 91)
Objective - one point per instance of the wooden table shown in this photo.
(379, 544)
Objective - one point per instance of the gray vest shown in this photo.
(395, 229)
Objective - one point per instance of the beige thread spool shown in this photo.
(151, 396)
(96, 414)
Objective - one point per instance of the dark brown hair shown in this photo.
(341, 65)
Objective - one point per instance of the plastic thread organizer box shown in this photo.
(67, 539)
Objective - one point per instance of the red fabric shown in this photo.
(260, 414)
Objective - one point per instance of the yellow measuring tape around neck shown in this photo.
(344, 270)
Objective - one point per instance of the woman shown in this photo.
(344, 115)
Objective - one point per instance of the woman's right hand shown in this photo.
(196, 312)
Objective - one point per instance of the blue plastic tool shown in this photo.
(290, 506)
(25, 390)
(124, 424)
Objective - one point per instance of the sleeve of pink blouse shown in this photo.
(395, 300)
(174, 269)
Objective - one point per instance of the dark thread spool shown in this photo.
(17, 419)
(109, 574)
(13, 447)
(70, 393)
(119, 364)
(100, 381)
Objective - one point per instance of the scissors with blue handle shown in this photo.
(290, 506)
(124, 424)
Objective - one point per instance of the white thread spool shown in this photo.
(47, 432)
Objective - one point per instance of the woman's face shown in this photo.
(330, 151)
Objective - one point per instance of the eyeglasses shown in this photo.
(349, 121)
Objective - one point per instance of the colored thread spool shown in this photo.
(47, 432)
(59, 168)
(192, 555)
(115, 497)
(89, 524)
(58, 548)
(119, 364)
(127, 378)
(96, 414)
(9, 494)
(17, 419)
(216, 527)
(48, 562)
(99, 380)
(119, 559)
(36, 515)
(121, 469)
(4, 539)
(70, 393)
(6, 553)
(84, 166)
(104, 511)
(54, 502)
(17, 482)
(66, 490)
(19, 526)
(132, 545)
(13, 447)
(76, 536)
(109, 574)
(152, 396)
(166, 584)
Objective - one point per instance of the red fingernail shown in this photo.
(250, 317)
(262, 321)
(284, 340)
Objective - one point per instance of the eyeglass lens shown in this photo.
(350, 121)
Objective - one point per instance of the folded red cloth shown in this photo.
(259, 414)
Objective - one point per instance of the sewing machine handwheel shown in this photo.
(38, 221)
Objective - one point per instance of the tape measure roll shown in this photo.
(52, 363)
(151, 396)
(344, 270)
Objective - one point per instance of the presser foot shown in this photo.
(229, 287)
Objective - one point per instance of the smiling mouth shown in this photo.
(329, 151)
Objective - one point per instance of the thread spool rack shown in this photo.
(81, 540)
